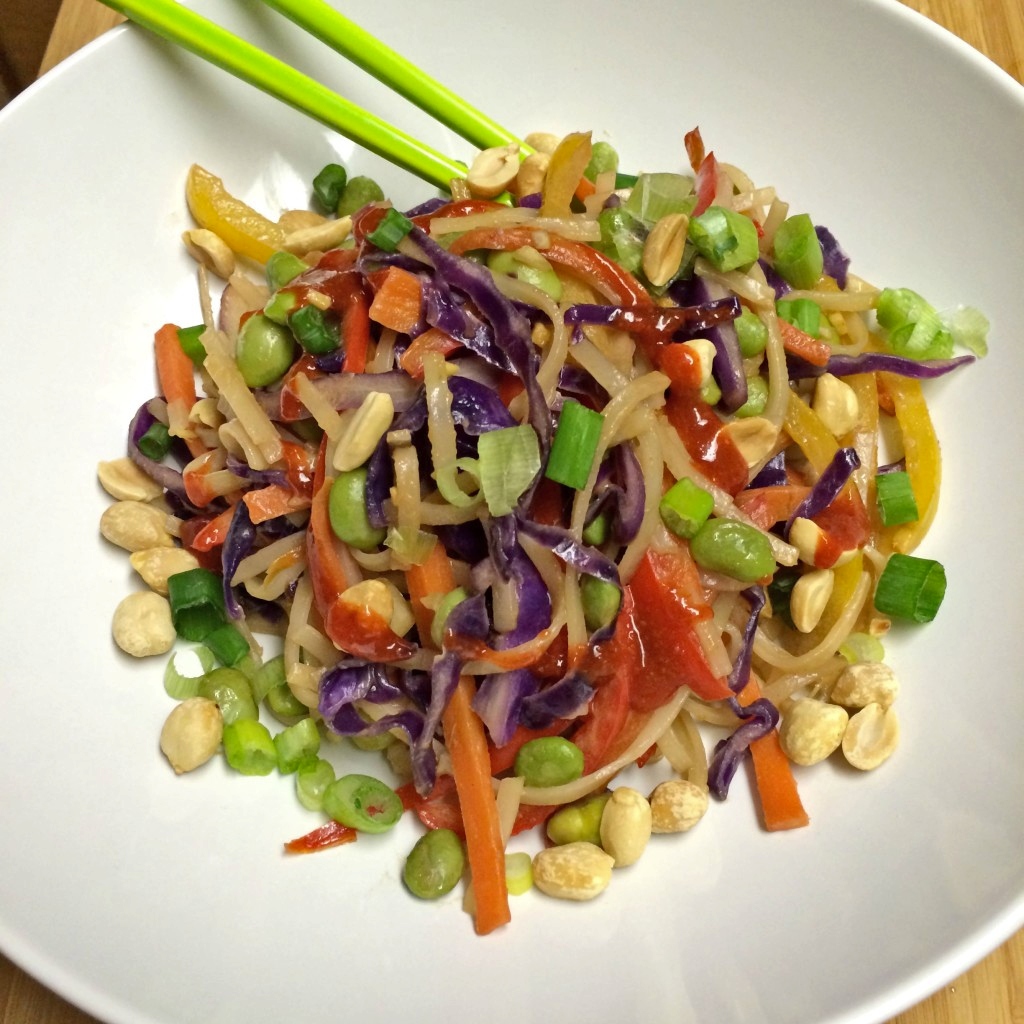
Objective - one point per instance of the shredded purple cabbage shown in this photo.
(428, 207)
(759, 718)
(169, 479)
(477, 408)
(727, 367)
(827, 487)
(499, 700)
(564, 546)
(772, 473)
(740, 674)
(237, 544)
(872, 362)
(836, 262)
(264, 477)
(570, 697)
(774, 279)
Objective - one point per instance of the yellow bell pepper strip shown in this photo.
(845, 578)
(864, 440)
(568, 162)
(924, 461)
(243, 230)
(814, 439)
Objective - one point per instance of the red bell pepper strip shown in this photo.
(330, 834)
(668, 601)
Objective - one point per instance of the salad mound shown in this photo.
(567, 471)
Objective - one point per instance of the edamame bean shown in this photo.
(346, 508)
(734, 549)
(231, 692)
(359, 191)
(603, 158)
(363, 803)
(264, 350)
(751, 333)
(757, 397)
(579, 822)
(434, 865)
(549, 761)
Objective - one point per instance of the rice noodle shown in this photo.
(257, 563)
(328, 419)
(744, 285)
(575, 227)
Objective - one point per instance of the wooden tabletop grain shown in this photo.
(991, 993)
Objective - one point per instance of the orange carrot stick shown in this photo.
(471, 762)
(799, 343)
(176, 376)
(274, 500)
(781, 808)
(431, 340)
(398, 301)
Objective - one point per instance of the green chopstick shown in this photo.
(357, 45)
(208, 40)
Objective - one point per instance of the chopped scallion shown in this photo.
(802, 313)
(315, 332)
(297, 745)
(685, 507)
(393, 227)
(188, 338)
(284, 705)
(798, 256)
(180, 686)
(283, 267)
(725, 238)
(657, 195)
(266, 677)
(155, 443)
(197, 603)
(249, 747)
(574, 445)
(622, 237)
(311, 780)
(228, 646)
(859, 647)
(911, 588)
(328, 186)
(509, 460)
(896, 503)
(441, 613)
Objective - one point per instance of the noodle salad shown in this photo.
(567, 471)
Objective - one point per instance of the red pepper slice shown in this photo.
(714, 452)
(322, 838)
(668, 601)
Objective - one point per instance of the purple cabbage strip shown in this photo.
(871, 362)
(477, 408)
(774, 279)
(772, 473)
(759, 718)
(564, 546)
(827, 487)
(346, 682)
(428, 207)
(740, 674)
(237, 544)
(379, 475)
(533, 201)
(466, 542)
(620, 488)
(728, 363)
(446, 311)
(330, 362)
(836, 262)
(264, 477)
(511, 328)
(574, 380)
(499, 700)
(568, 698)
(169, 479)
(444, 678)
(899, 466)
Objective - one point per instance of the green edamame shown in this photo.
(346, 509)
(363, 803)
(600, 602)
(434, 865)
(579, 822)
(751, 333)
(549, 761)
(264, 350)
(359, 191)
(734, 549)
(757, 398)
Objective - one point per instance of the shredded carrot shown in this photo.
(471, 762)
(176, 376)
(585, 188)
(356, 332)
(398, 301)
(272, 501)
(431, 340)
(213, 533)
(781, 808)
(799, 343)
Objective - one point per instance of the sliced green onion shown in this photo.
(311, 781)
(227, 644)
(448, 478)
(623, 180)
(414, 548)
(518, 873)
(266, 677)
(911, 588)
(539, 273)
(858, 647)
(249, 747)
(315, 332)
(622, 237)
(188, 338)
(155, 443)
(328, 186)
(657, 195)
(297, 745)
(284, 705)
(442, 611)
(283, 267)
(180, 686)
(280, 306)
(685, 507)
(751, 333)
(197, 603)
(600, 601)
(802, 313)
(924, 338)
(896, 502)
(393, 227)
(509, 460)
(798, 255)
(969, 328)
(898, 306)
(574, 445)
(231, 692)
(362, 802)
(725, 238)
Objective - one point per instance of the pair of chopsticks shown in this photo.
(207, 40)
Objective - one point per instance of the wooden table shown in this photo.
(991, 993)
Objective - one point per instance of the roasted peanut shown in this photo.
(626, 826)
(677, 805)
(210, 250)
(871, 736)
(811, 730)
(135, 526)
(192, 733)
(866, 682)
(123, 480)
(142, 625)
(576, 871)
(493, 170)
(154, 565)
